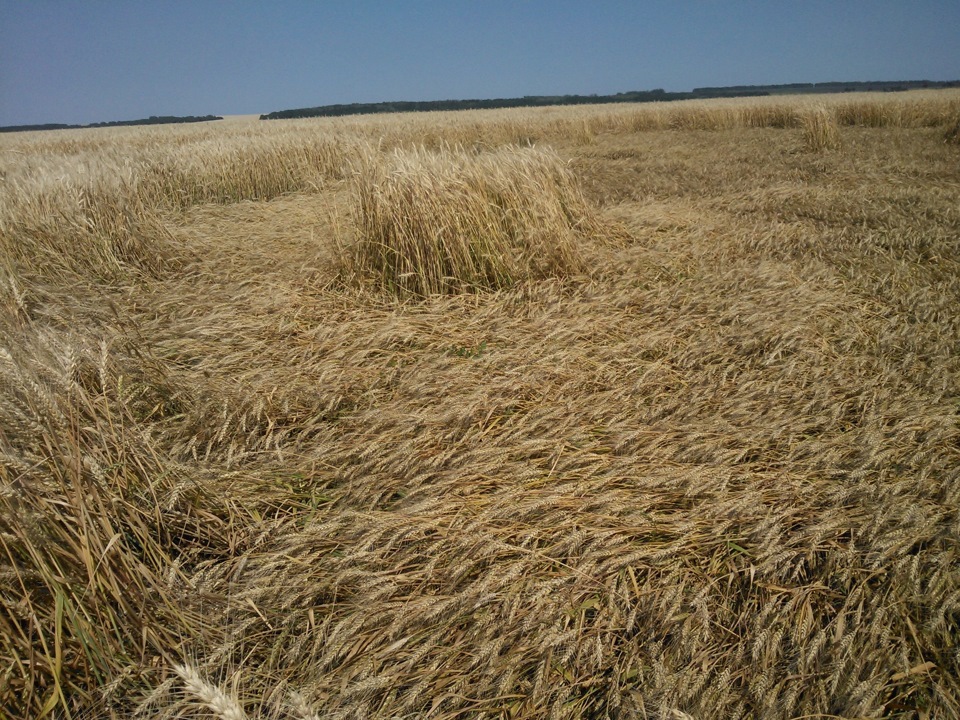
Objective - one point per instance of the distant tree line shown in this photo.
(657, 95)
(827, 87)
(152, 120)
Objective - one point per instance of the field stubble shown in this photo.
(709, 464)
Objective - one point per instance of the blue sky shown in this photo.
(81, 61)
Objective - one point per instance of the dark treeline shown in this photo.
(658, 95)
(827, 87)
(491, 104)
(152, 120)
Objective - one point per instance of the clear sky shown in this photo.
(81, 61)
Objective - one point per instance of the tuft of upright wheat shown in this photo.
(952, 134)
(453, 221)
(820, 130)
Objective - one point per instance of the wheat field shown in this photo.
(642, 411)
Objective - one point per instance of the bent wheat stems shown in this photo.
(592, 412)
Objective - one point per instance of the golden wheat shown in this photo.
(711, 469)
